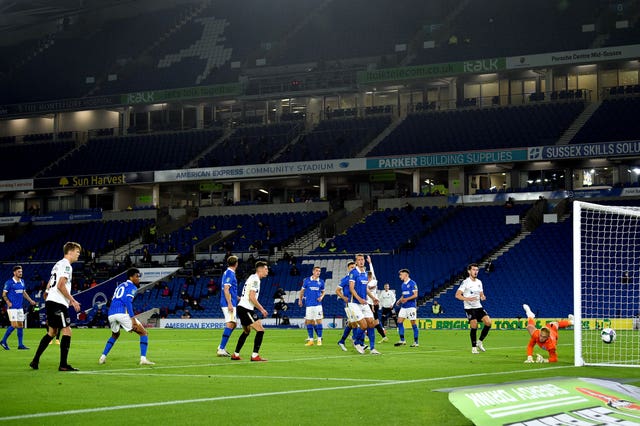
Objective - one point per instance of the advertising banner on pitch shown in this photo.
(580, 401)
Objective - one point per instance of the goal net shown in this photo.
(606, 283)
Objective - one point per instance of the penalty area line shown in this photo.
(258, 395)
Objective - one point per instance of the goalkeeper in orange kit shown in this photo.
(545, 337)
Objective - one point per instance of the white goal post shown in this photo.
(606, 283)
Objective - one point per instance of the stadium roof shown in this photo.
(25, 19)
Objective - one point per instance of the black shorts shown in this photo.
(246, 316)
(476, 314)
(57, 315)
(375, 309)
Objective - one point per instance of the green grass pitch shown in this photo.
(298, 385)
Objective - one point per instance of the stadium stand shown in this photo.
(536, 271)
(615, 120)
(485, 128)
(251, 145)
(251, 233)
(135, 153)
(17, 160)
(386, 231)
(339, 138)
(193, 46)
(196, 44)
(44, 242)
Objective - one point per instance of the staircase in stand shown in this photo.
(493, 256)
(579, 123)
(390, 128)
(304, 244)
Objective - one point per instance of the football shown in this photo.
(608, 335)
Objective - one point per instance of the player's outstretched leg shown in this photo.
(528, 311)
(566, 323)
(531, 323)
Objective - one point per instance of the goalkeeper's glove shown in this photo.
(541, 359)
(529, 360)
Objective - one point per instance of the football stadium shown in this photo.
(312, 212)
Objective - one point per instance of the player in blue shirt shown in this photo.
(343, 292)
(407, 303)
(358, 284)
(228, 303)
(312, 293)
(14, 293)
(121, 316)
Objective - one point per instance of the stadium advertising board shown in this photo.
(206, 323)
(480, 66)
(16, 185)
(447, 159)
(94, 180)
(574, 57)
(9, 219)
(181, 94)
(261, 170)
(98, 295)
(553, 401)
(149, 275)
(518, 324)
(630, 192)
(534, 195)
(60, 105)
(585, 150)
(63, 216)
(96, 102)
(103, 292)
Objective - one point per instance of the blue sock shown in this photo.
(319, 330)
(360, 336)
(8, 333)
(144, 342)
(345, 334)
(371, 332)
(108, 346)
(225, 337)
(20, 333)
(310, 331)
(401, 331)
(415, 332)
